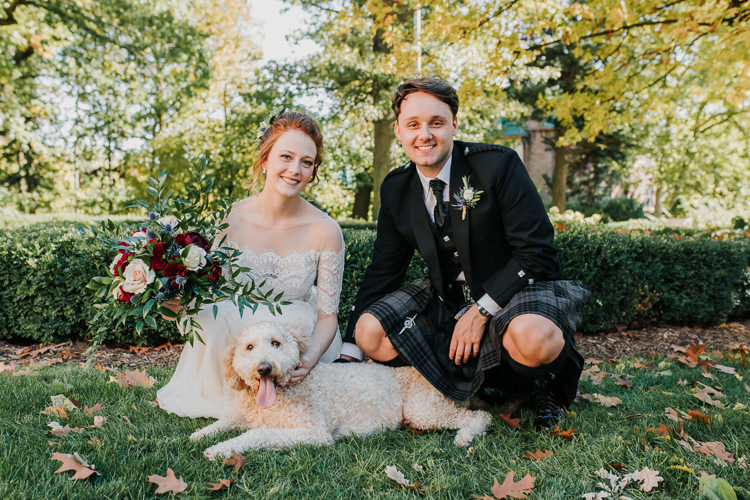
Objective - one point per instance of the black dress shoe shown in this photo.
(545, 405)
(342, 360)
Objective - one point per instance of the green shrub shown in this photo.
(619, 209)
(638, 278)
(635, 276)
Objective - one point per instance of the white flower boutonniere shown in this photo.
(466, 198)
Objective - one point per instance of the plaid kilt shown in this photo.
(420, 328)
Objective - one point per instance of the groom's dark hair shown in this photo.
(436, 87)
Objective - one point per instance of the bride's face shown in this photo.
(290, 163)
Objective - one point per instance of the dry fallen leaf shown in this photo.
(609, 401)
(59, 430)
(566, 434)
(623, 381)
(125, 418)
(95, 441)
(511, 489)
(513, 423)
(131, 378)
(98, 421)
(93, 409)
(538, 454)
(649, 479)
(715, 448)
(168, 483)
(703, 395)
(671, 413)
(700, 417)
(237, 460)
(74, 463)
(595, 374)
(223, 483)
(395, 475)
(661, 430)
(725, 369)
(55, 411)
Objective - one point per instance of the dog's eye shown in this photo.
(275, 343)
(250, 347)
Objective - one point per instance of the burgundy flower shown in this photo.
(173, 269)
(158, 250)
(157, 263)
(120, 248)
(198, 240)
(182, 239)
(215, 273)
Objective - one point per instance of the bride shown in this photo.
(289, 243)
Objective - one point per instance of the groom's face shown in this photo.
(425, 127)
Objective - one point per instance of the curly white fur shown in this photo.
(334, 400)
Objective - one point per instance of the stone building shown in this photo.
(533, 143)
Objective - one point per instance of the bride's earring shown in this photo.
(264, 171)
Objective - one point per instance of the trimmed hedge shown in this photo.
(635, 278)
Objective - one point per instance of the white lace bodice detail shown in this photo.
(295, 274)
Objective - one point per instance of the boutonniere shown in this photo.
(466, 198)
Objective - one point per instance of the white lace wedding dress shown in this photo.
(291, 260)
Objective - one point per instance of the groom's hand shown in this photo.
(467, 336)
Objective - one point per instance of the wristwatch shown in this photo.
(484, 312)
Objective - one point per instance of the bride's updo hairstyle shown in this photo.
(277, 127)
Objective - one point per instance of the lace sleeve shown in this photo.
(331, 274)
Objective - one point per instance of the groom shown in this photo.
(495, 311)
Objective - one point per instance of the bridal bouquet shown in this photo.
(173, 255)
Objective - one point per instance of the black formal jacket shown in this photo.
(505, 240)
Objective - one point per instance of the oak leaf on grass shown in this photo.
(237, 460)
(566, 434)
(513, 489)
(168, 483)
(223, 483)
(608, 401)
(74, 463)
(513, 423)
(132, 378)
(538, 454)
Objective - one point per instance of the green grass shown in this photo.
(354, 467)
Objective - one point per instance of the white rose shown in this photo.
(168, 220)
(195, 257)
(137, 276)
(469, 194)
(140, 235)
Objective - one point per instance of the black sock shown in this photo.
(534, 372)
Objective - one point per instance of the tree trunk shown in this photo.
(361, 207)
(560, 177)
(382, 159)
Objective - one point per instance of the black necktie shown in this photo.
(441, 208)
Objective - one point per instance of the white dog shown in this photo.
(334, 400)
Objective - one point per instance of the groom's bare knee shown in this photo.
(368, 333)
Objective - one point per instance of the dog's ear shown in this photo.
(300, 330)
(233, 378)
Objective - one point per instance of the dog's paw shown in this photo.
(197, 435)
(217, 451)
(464, 437)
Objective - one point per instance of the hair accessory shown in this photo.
(262, 130)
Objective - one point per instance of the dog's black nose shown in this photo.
(264, 369)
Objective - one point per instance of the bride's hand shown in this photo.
(299, 373)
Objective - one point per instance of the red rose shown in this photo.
(157, 263)
(120, 248)
(198, 240)
(158, 250)
(124, 296)
(121, 265)
(182, 239)
(173, 269)
(215, 273)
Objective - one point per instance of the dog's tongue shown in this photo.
(266, 393)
